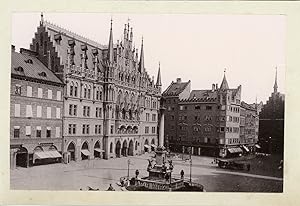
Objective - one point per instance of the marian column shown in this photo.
(161, 127)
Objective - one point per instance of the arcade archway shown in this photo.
(71, 150)
(130, 148)
(22, 157)
(85, 153)
(124, 149)
(118, 148)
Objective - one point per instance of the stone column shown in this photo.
(161, 129)
(199, 151)
(192, 151)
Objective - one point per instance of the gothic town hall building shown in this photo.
(110, 102)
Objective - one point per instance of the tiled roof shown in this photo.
(203, 94)
(29, 66)
(74, 35)
(175, 88)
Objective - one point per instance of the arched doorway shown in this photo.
(146, 146)
(22, 157)
(85, 153)
(97, 150)
(124, 148)
(130, 148)
(71, 150)
(118, 148)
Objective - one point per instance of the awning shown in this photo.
(235, 150)
(41, 155)
(246, 148)
(257, 146)
(147, 146)
(153, 145)
(54, 154)
(99, 150)
(85, 152)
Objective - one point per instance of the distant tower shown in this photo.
(110, 54)
(141, 64)
(158, 81)
(275, 84)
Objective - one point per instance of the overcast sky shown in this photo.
(193, 47)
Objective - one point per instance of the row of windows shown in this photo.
(148, 117)
(87, 94)
(230, 129)
(147, 130)
(85, 129)
(39, 110)
(18, 91)
(38, 132)
(85, 111)
(233, 109)
(197, 107)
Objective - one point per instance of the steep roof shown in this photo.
(224, 84)
(203, 94)
(29, 66)
(175, 88)
(247, 106)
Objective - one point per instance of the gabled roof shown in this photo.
(175, 88)
(29, 66)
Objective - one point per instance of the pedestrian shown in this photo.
(110, 188)
(182, 174)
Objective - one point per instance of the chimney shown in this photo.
(213, 88)
(13, 48)
(178, 80)
(28, 52)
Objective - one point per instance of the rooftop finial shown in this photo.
(111, 21)
(42, 17)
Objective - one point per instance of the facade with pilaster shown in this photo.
(111, 103)
(208, 120)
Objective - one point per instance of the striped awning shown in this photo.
(246, 148)
(85, 152)
(99, 150)
(46, 154)
(235, 150)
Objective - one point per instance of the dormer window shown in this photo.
(43, 74)
(29, 61)
(19, 69)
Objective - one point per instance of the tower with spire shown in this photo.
(275, 84)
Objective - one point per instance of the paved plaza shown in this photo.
(99, 173)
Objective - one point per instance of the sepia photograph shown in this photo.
(147, 102)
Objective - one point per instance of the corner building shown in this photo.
(36, 106)
(205, 122)
(110, 102)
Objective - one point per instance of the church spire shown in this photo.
(275, 84)
(224, 84)
(110, 54)
(141, 65)
(158, 81)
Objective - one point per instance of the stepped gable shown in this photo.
(175, 88)
(25, 65)
(61, 47)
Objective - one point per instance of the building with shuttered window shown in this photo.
(36, 111)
